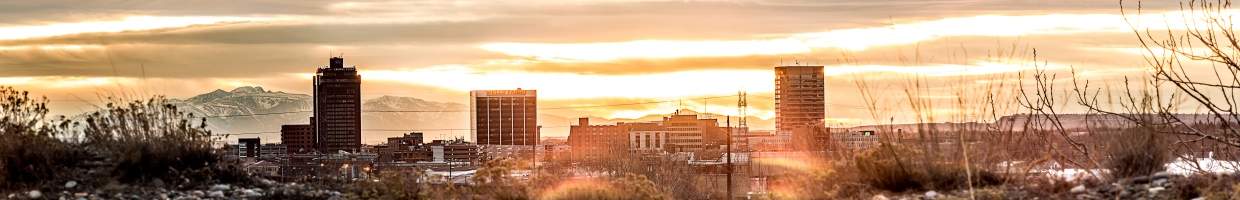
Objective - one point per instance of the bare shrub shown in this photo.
(29, 150)
(890, 168)
(628, 186)
(394, 185)
(1136, 152)
(151, 140)
(138, 142)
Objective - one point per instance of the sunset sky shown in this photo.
(573, 52)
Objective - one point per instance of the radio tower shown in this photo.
(742, 105)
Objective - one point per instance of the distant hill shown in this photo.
(755, 123)
(256, 100)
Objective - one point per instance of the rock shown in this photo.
(879, 197)
(1078, 189)
(1161, 175)
(220, 187)
(216, 194)
(266, 181)
(1159, 182)
(1155, 190)
(250, 193)
(34, 194)
(932, 194)
(197, 193)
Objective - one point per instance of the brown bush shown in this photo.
(29, 152)
(1136, 152)
(138, 142)
(891, 167)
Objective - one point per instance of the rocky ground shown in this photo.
(1157, 186)
(266, 189)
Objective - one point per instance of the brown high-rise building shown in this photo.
(800, 98)
(297, 138)
(250, 147)
(338, 107)
(504, 117)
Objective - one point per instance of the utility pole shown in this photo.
(537, 138)
(729, 158)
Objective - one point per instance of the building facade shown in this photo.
(249, 147)
(677, 133)
(338, 107)
(647, 139)
(688, 133)
(504, 118)
(591, 142)
(297, 138)
(800, 98)
(407, 148)
(453, 151)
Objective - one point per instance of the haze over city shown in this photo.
(574, 52)
(619, 99)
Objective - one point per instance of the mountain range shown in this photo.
(252, 111)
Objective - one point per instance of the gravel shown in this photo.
(264, 189)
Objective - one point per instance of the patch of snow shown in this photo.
(1206, 165)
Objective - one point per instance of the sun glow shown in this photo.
(61, 81)
(572, 86)
(854, 39)
(125, 24)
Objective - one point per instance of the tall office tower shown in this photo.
(504, 117)
(800, 98)
(250, 147)
(338, 107)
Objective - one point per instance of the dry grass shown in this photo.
(138, 142)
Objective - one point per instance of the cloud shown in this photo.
(129, 23)
(577, 52)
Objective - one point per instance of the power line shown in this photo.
(381, 130)
(449, 111)
(256, 114)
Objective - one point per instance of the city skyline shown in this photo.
(619, 99)
(74, 58)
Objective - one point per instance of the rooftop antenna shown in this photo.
(705, 107)
(681, 106)
(742, 104)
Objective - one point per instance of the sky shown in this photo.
(576, 53)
